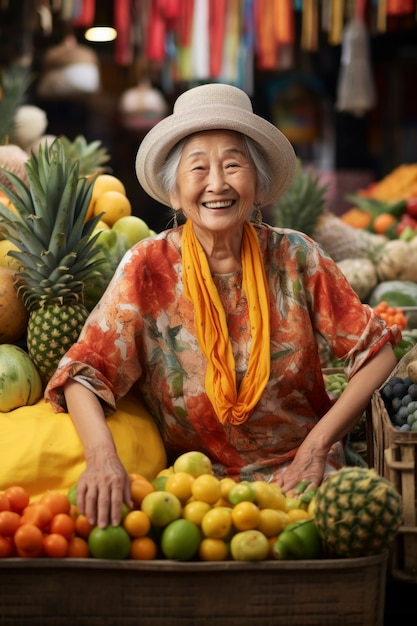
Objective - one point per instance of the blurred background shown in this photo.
(338, 77)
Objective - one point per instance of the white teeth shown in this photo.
(218, 205)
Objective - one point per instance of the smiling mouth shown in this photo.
(224, 204)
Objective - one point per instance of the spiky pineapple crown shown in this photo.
(92, 156)
(57, 247)
(13, 84)
(301, 207)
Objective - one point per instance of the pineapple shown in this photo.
(303, 208)
(357, 512)
(57, 251)
(302, 205)
(13, 85)
(92, 156)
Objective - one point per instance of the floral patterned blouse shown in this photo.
(142, 333)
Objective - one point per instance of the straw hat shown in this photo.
(208, 107)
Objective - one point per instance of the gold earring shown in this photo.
(175, 220)
(257, 217)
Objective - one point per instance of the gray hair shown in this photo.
(168, 173)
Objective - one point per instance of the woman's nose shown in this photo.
(216, 179)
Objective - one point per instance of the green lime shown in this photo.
(180, 540)
(112, 542)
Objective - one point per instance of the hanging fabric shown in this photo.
(85, 14)
(267, 53)
(123, 24)
(155, 50)
(217, 25)
(309, 27)
(284, 22)
(355, 90)
(200, 41)
(184, 39)
(336, 22)
(231, 47)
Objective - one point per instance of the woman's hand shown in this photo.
(102, 489)
(307, 465)
(104, 485)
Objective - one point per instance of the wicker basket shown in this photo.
(93, 592)
(393, 454)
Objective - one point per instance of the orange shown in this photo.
(245, 515)
(143, 549)
(56, 501)
(113, 205)
(382, 223)
(211, 549)
(4, 503)
(78, 548)
(206, 487)
(82, 526)
(6, 547)
(357, 218)
(137, 523)
(62, 524)
(18, 497)
(55, 546)
(9, 523)
(139, 488)
(38, 514)
(103, 183)
(28, 540)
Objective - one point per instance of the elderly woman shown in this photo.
(216, 321)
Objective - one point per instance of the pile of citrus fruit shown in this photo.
(184, 513)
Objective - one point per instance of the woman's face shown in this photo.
(216, 181)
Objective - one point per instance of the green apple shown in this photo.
(249, 545)
(134, 228)
(194, 463)
(161, 507)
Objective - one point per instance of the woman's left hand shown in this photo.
(307, 465)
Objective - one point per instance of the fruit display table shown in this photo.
(92, 592)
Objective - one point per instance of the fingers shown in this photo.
(102, 501)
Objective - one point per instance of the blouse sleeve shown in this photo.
(108, 357)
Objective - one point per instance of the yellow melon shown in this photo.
(13, 314)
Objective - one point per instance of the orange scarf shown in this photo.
(230, 405)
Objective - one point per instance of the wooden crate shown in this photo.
(93, 592)
(393, 453)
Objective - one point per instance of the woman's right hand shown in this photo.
(104, 485)
(102, 489)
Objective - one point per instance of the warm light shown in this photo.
(100, 34)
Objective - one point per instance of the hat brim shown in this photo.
(160, 140)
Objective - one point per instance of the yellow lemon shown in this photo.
(206, 487)
(195, 511)
(245, 515)
(298, 514)
(180, 484)
(102, 184)
(217, 522)
(272, 521)
(213, 549)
